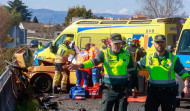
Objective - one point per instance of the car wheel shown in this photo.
(43, 83)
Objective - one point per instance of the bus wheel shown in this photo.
(43, 83)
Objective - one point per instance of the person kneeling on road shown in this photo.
(117, 63)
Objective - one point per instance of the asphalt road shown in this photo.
(90, 104)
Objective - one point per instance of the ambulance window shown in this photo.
(179, 27)
(184, 43)
(62, 38)
(171, 39)
(84, 41)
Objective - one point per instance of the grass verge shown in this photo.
(27, 103)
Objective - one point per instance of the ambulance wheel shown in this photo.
(43, 83)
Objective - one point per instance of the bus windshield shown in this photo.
(184, 43)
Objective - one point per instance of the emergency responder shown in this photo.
(116, 62)
(73, 58)
(93, 52)
(60, 60)
(83, 56)
(135, 50)
(162, 67)
(136, 54)
(40, 46)
(124, 44)
(105, 43)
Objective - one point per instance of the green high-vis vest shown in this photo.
(161, 73)
(62, 49)
(115, 71)
(115, 67)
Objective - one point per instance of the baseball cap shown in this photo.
(159, 38)
(116, 38)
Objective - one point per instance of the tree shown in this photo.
(35, 20)
(161, 8)
(77, 12)
(19, 6)
(5, 23)
(15, 17)
(94, 17)
(100, 17)
(89, 13)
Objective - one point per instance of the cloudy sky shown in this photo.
(97, 6)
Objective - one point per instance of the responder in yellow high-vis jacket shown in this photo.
(60, 60)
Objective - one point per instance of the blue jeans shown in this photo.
(96, 74)
(79, 75)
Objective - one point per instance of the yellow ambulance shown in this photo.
(93, 30)
(183, 52)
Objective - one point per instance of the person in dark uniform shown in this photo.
(162, 67)
(117, 63)
(135, 50)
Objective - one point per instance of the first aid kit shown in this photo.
(78, 91)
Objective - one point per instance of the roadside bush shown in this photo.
(6, 54)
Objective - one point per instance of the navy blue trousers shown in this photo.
(156, 97)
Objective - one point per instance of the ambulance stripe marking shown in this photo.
(83, 28)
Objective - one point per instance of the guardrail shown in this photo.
(7, 91)
(4, 77)
(39, 38)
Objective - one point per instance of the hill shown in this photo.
(47, 16)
